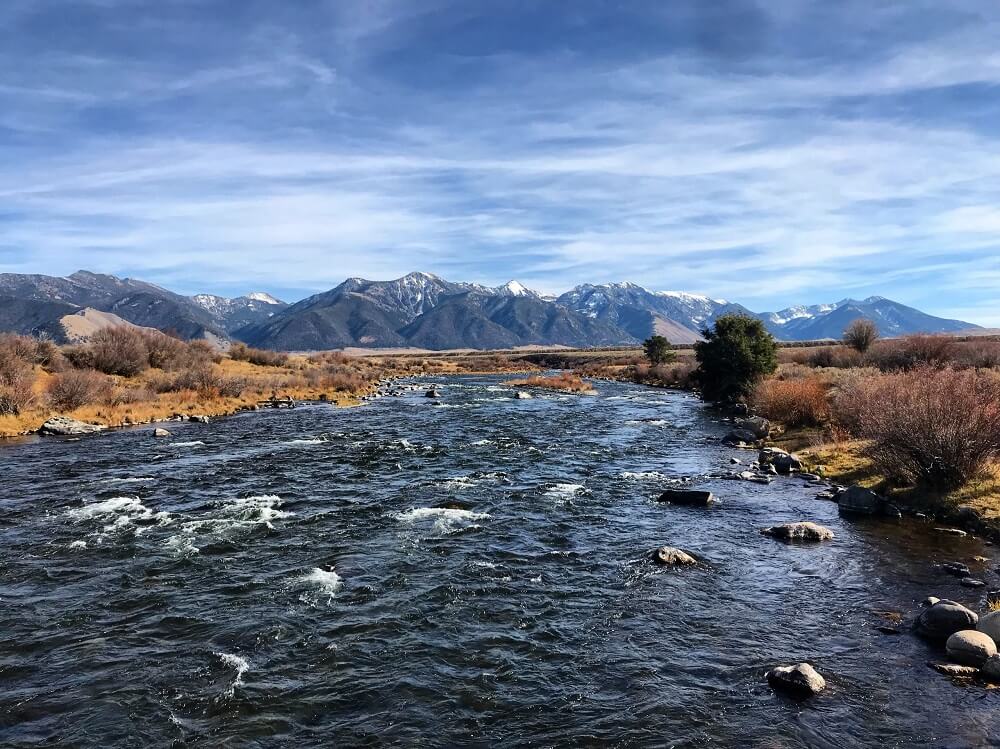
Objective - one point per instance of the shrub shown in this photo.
(658, 350)
(735, 355)
(124, 396)
(78, 387)
(928, 350)
(260, 357)
(163, 351)
(933, 427)
(860, 335)
(795, 403)
(17, 380)
(115, 351)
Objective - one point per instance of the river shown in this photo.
(474, 573)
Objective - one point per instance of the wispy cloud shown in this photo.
(846, 152)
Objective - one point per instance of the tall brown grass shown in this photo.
(794, 403)
(933, 427)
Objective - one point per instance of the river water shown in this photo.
(473, 573)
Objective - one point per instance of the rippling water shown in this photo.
(473, 573)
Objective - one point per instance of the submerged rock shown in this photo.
(160, 432)
(803, 531)
(970, 582)
(672, 557)
(523, 395)
(953, 669)
(64, 425)
(802, 679)
(689, 497)
(943, 619)
(970, 647)
(433, 393)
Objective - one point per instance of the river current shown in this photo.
(472, 573)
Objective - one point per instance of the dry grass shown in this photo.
(793, 403)
(567, 382)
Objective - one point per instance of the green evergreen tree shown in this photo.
(735, 355)
(658, 350)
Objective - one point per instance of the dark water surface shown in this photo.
(180, 592)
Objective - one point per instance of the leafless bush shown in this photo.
(259, 357)
(163, 351)
(75, 388)
(17, 379)
(115, 351)
(860, 335)
(933, 427)
(125, 396)
(793, 402)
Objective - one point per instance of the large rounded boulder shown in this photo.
(970, 647)
(945, 618)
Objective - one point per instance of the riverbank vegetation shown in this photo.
(566, 381)
(126, 376)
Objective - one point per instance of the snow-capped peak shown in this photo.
(513, 288)
(687, 297)
(260, 296)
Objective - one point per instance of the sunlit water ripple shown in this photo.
(469, 574)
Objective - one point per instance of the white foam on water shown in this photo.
(328, 581)
(127, 507)
(564, 491)
(313, 441)
(487, 565)
(651, 422)
(446, 519)
(480, 443)
(78, 545)
(261, 508)
(137, 480)
(182, 545)
(642, 476)
(193, 443)
(239, 664)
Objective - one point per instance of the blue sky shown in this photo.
(772, 152)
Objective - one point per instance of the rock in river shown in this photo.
(691, 497)
(860, 501)
(990, 625)
(672, 557)
(758, 425)
(991, 669)
(160, 432)
(970, 647)
(64, 425)
(802, 680)
(804, 531)
(740, 438)
(945, 618)
(782, 462)
(953, 669)
(523, 395)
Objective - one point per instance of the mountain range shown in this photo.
(421, 310)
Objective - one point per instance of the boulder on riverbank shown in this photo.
(783, 462)
(970, 647)
(802, 531)
(740, 438)
(669, 556)
(991, 668)
(990, 625)
(687, 497)
(857, 500)
(801, 680)
(943, 619)
(953, 669)
(756, 425)
(65, 426)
